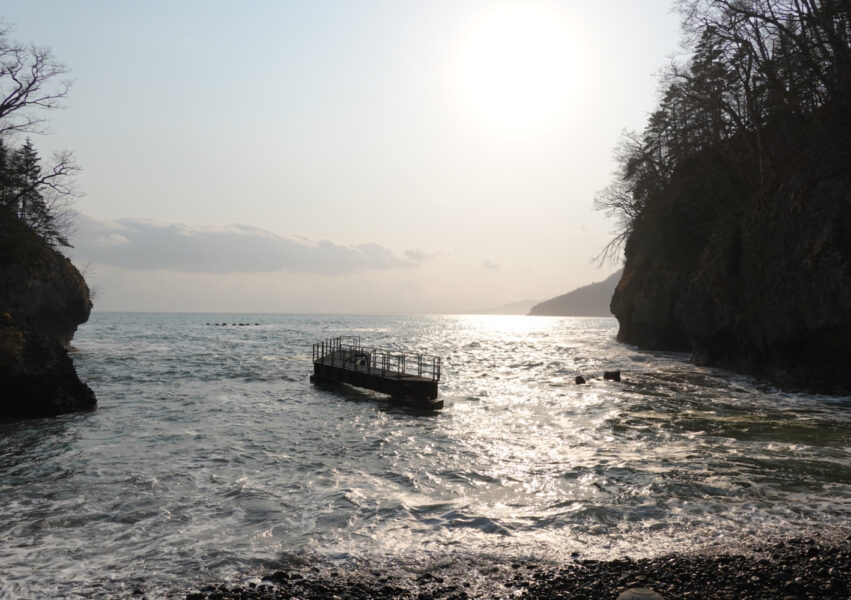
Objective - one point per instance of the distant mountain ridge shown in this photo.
(520, 307)
(588, 301)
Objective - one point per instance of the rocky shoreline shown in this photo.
(811, 568)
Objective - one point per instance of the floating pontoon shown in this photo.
(405, 376)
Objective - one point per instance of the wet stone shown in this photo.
(639, 594)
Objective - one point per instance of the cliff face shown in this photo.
(588, 301)
(751, 272)
(43, 299)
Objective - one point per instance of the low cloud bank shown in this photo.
(150, 245)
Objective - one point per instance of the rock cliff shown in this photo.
(751, 272)
(43, 298)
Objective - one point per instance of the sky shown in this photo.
(322, 156)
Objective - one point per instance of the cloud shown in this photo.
(489, 264)
(149, 245)
(417, 255)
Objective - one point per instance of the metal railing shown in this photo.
(346, 352)
(329, 347)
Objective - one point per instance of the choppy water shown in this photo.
(212, 456)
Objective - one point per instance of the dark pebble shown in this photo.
(837, 587)
(277, 577)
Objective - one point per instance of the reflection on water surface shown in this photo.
(210, 453)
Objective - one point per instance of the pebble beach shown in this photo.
(811, 568)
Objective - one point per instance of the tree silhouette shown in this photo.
(30, 81)
(754, 66)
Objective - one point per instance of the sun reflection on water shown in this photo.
(242, 457)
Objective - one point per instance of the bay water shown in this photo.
(211, 457)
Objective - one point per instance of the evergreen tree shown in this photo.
(35, 197)
(26, 175)
(5, 183)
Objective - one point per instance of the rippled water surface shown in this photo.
(211, 456)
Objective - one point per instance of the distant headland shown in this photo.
(588, 301)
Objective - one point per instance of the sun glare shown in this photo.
(517, 66)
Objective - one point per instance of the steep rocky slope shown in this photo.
(751, 269)
(43, 299)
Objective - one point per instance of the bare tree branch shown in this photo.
(30, 80)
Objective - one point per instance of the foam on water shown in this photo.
(211, 456)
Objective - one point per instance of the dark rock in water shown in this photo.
(43, 299)
(579, 380)
(612, 375)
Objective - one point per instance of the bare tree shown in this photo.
(624, 198)
(30, 80)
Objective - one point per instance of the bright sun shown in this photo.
(518, 66)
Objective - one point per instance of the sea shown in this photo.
(212, 458)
